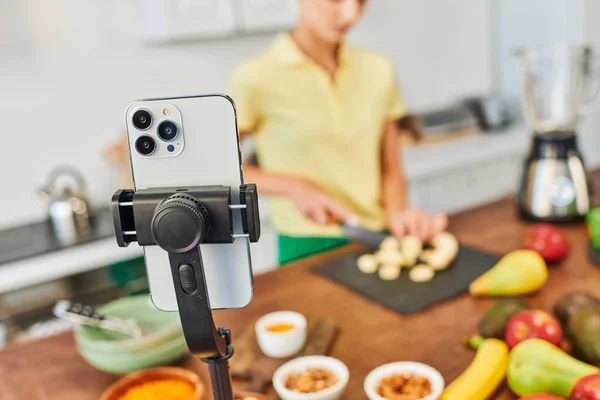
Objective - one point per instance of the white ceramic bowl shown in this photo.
(303, 363)
(375, 376)
(281, 344)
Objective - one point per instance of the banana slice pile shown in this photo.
(394, 255)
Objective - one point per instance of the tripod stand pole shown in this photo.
(219, 371)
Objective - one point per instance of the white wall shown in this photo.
(68, 69)
(555, 21)
(590, 138)
(570, 21)
(441, 49)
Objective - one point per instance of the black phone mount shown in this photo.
(179, 220)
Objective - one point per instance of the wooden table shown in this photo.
(370, 335)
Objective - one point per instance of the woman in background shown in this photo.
(324, 118)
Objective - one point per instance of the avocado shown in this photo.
(493, 323)
(583, 330)
(570, 302)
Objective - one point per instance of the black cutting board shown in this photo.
(403, 295)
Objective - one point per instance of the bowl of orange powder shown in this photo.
(162, 383)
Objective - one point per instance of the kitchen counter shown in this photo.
(38, 239)
(32, 254)
(52, 368)
(66, 262)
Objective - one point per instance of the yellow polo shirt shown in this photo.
(327, 131)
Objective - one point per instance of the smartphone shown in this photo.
(183, 142)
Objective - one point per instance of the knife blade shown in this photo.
(358, 234)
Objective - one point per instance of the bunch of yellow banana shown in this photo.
(485, 373)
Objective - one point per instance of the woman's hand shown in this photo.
(416, 222)
(317, 206)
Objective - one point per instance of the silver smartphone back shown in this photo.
(196, 143)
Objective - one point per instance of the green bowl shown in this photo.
(162, 343)
(158, 326)
(131, 361)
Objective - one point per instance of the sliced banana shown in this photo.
(390, 257)
(446, 243)
(389, 272)
(367, 264)
(443, 238)
(444, 252)
(426, 255)
(438, 260)
(394, 254)
(389, 243)
(412, 247)
(410, 242)
(421, 273)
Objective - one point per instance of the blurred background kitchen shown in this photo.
(69, 68)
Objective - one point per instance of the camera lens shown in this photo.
(167, 131)
(142, 119)
(145, 145)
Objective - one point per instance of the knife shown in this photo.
(356, 233)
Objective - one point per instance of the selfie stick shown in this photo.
(179, 220)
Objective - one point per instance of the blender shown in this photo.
(557, 86)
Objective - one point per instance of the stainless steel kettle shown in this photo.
(69, 210)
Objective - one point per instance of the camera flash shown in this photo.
(166, 111)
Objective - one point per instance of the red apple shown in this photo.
(587, 388)
(547, 240)
(541, 396)
(532, 324)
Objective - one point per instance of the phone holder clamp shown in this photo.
(178, 220)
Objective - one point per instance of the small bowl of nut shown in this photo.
(311, 378)
(404, 381)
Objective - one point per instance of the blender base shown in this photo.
(555, 187)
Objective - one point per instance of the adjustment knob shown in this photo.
(180, 223)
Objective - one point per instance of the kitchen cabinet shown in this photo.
(468, 172)
(470, 185)
(173, 20)
(267, 15)
(168, 20)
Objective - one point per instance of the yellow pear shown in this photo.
(517, 273)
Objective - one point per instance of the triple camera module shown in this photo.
(167, 131)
